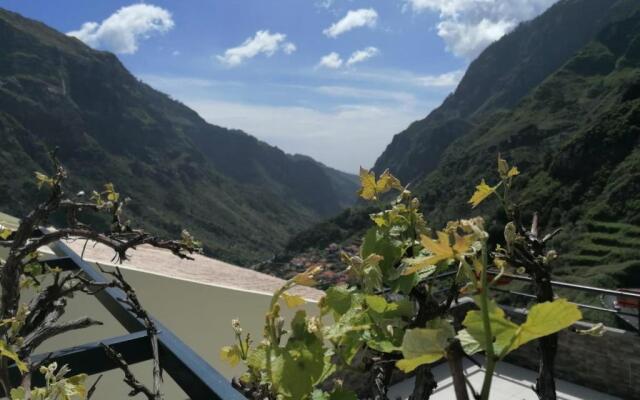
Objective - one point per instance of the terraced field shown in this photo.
(613, 247)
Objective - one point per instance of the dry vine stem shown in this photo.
(27, 325)
(132, 302)
(527, 249)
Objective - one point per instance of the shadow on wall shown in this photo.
(199, 314)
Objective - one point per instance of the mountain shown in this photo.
(499, 78)
(559, 97)
(242, 197)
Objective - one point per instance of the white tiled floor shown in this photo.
(510, 383)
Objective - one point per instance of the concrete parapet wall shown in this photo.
(609, 364)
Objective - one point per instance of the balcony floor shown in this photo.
(510, 383)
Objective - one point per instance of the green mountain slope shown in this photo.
(576, 137)
(242, 197)
(560, 98)
(499, 78)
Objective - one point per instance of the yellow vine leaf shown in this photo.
(504, 170)
(42, 179)
(440, 249)
(307, 278)
(5, 232)
(370, 188)
(292, 300)
(387, 182)
(482, 192)
(418, 264)
(110, 190)
(75, 386)
(230, 354)
(367, 184)
(547, 318)
(5, 351)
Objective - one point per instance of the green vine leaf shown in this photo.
(337, 299)
(375, 242)
(303, 364)
(424, 346)
(337, 394)
(502, 329)
(543, 319)
(469, 344)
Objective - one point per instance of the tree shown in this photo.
(26, 325)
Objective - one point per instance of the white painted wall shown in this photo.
(199, 314)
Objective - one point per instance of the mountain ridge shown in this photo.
(241, 196)
(488, 85)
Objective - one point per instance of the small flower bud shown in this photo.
(235, 324)
(551, 255)
(313, 324)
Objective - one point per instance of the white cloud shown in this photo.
(469, 26)
(324, 3)
(263, 42)
(331, 60)
(468, 40)
(175, 53)
(362, 55)
(122, 31)
(289, 48)
(448, 79)
(353, 19)
(334, 61)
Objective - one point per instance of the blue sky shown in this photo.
(331, 79)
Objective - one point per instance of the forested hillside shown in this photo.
(242, 197)
(560, 98)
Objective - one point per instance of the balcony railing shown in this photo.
(631, 317)
(192, 373)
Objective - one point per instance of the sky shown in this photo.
(332, 79)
